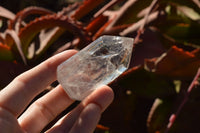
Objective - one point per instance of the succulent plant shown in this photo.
(153, 95)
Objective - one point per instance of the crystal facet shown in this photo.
(97, 64)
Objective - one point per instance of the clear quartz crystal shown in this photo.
(97, 64)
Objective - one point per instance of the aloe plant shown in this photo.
(153, 96)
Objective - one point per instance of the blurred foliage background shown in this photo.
(157, 94)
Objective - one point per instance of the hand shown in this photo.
(19, 93)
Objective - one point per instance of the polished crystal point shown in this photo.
(97, 64)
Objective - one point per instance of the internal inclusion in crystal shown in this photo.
(98, 64)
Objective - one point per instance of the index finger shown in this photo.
(19, 93)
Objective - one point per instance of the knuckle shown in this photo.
(44, 110)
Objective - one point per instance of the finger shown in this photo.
(8, 123)
(101, 97)
(16, 96)
(44, 110)
(88, 119)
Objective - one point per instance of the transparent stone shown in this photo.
(97, 64)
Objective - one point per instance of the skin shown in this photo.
(19, 93)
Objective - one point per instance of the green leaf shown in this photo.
(130, 11)
(159, 115)
(5, 53)
(187, 117)
(175, 63)
(85, 8)
(180, 28)
(29, 32)
(188, 3)
(47, 38)
(189, 12)
(146, 84)
(1, 23)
